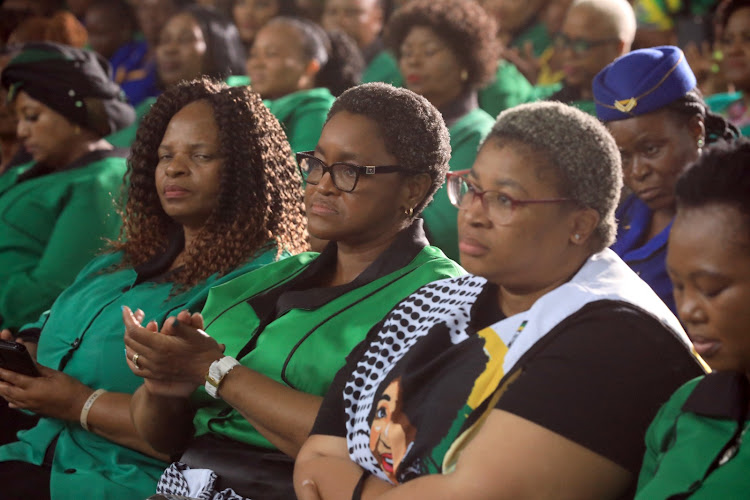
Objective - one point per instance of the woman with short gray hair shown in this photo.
(504, 377)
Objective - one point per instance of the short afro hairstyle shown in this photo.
(411, 127)
(464, 26)
(721, 176)
(577, 148)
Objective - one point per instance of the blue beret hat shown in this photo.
(641, 82)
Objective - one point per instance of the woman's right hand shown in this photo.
(156, 386)
(175, 360)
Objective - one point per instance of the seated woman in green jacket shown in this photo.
(695, 446)
(287, 328)
(213, 193)
(446, 51)
(56, 210)
(299, 69)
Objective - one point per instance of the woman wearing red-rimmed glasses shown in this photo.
(498, 204)
(499, 384)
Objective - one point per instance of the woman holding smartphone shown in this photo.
(213, 193)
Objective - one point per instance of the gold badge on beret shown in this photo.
(626, 105)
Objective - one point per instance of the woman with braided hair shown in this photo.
(213, 193)
(649, 102)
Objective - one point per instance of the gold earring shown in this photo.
(464, 75)
(409, 212)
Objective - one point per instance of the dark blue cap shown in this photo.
(641, 82)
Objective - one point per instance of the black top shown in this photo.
(598, 378)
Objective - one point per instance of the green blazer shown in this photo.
(440, 216)
(508, 89)
(383, 68)
(82, 335)
(691, 431)
(302, 115)
(305, 347)
(50, 227)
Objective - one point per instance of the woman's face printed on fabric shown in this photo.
(391, 432)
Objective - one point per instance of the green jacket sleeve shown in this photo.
(383, 68)
(302, 115)
(509, 88)
(85, 218)
(303, 130)
(661, 431)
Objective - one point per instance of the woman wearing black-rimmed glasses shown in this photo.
(533, 377)
(291, 326)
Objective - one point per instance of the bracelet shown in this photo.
(87, 407)
(357, 493)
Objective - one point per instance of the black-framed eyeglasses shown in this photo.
(344, 175)
(498, 206)
(579, 46)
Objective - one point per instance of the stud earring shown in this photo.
(464, 75)
(577, 237)
(409, 212)
(701, 142)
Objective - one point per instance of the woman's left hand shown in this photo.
(52, 394)
(180, 352)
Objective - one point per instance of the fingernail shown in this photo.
(126, 352)
(122, 308)
(176, 322)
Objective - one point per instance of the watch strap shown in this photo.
(216, 373)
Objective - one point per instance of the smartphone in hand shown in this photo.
(15, 357)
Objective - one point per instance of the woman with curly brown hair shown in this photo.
(446, 51)
(213, 193)
(288, 327)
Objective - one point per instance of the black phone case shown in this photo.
(15, 357)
